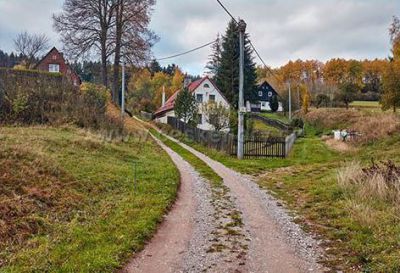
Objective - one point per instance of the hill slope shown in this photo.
(68, 202)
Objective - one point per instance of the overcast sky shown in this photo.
(282, 30)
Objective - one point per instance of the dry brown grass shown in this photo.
(379, 182)
(370, 126)
(376, 127)
(332, 118)
(31, 187)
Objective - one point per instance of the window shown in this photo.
(212, 98)
(200, 119)
(269, 94)
(206, 85)
(260, 93)
(54, 68)
(199, 98)
(54, 57)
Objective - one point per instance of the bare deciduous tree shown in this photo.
(131, 35)
(111, 28)
(30, 46)
(85, 27)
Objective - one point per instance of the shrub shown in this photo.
(91, 105)
(297, 123)
(322, 100)
(274, 104)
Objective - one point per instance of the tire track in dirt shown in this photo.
(277, 244)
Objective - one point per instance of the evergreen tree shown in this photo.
(215, 58)
(227, 77)
(274, 104)
(154, 67)
(186, 107)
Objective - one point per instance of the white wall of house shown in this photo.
(265, 106)
(164, 118)
(205, 93)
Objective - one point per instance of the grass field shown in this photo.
(359, 235)
(277, 116)
(259, 126)
(370, 104)
(68, 202)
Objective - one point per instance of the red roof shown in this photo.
(170, 103)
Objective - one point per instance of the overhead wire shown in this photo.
(186, 52)
(252, 45)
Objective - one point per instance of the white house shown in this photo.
(204, 91)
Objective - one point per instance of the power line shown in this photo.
(261, 59)
(252, 45)
(227, 11)
(186, 52)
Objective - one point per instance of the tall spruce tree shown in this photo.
(215, 58)
(227, 76)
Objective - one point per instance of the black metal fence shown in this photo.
(254, 146)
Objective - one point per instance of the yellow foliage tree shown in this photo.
(305, 98)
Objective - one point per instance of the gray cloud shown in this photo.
(281, 29)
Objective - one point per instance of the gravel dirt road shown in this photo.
(277, 243)
(197, 234)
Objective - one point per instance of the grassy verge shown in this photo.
(260, 126)
(359, 235)
(373, 104)
(277, 116)
(203, 169)
(68, 202)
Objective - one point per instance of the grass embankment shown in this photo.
(277, 116)
(359, 234)
(68, 202)
(261, 127)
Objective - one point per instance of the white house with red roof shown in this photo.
(205, 91)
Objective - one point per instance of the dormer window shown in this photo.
(54, 68)
(206, 85)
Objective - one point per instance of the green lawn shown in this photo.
(277, 116)
(73, 202)
(371, 104)
(260, 126)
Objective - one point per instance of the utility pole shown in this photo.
(240, 150)
(290, 101)
(123, 90)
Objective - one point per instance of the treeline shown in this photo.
(146, 85)
(338, 82)
(10, 60)
(326, 78)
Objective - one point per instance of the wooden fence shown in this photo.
(254, 146)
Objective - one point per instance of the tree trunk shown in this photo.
(104, 70)
(117, 58)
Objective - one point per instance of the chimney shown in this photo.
(163, 96)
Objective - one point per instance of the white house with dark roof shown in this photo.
(204, 91)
